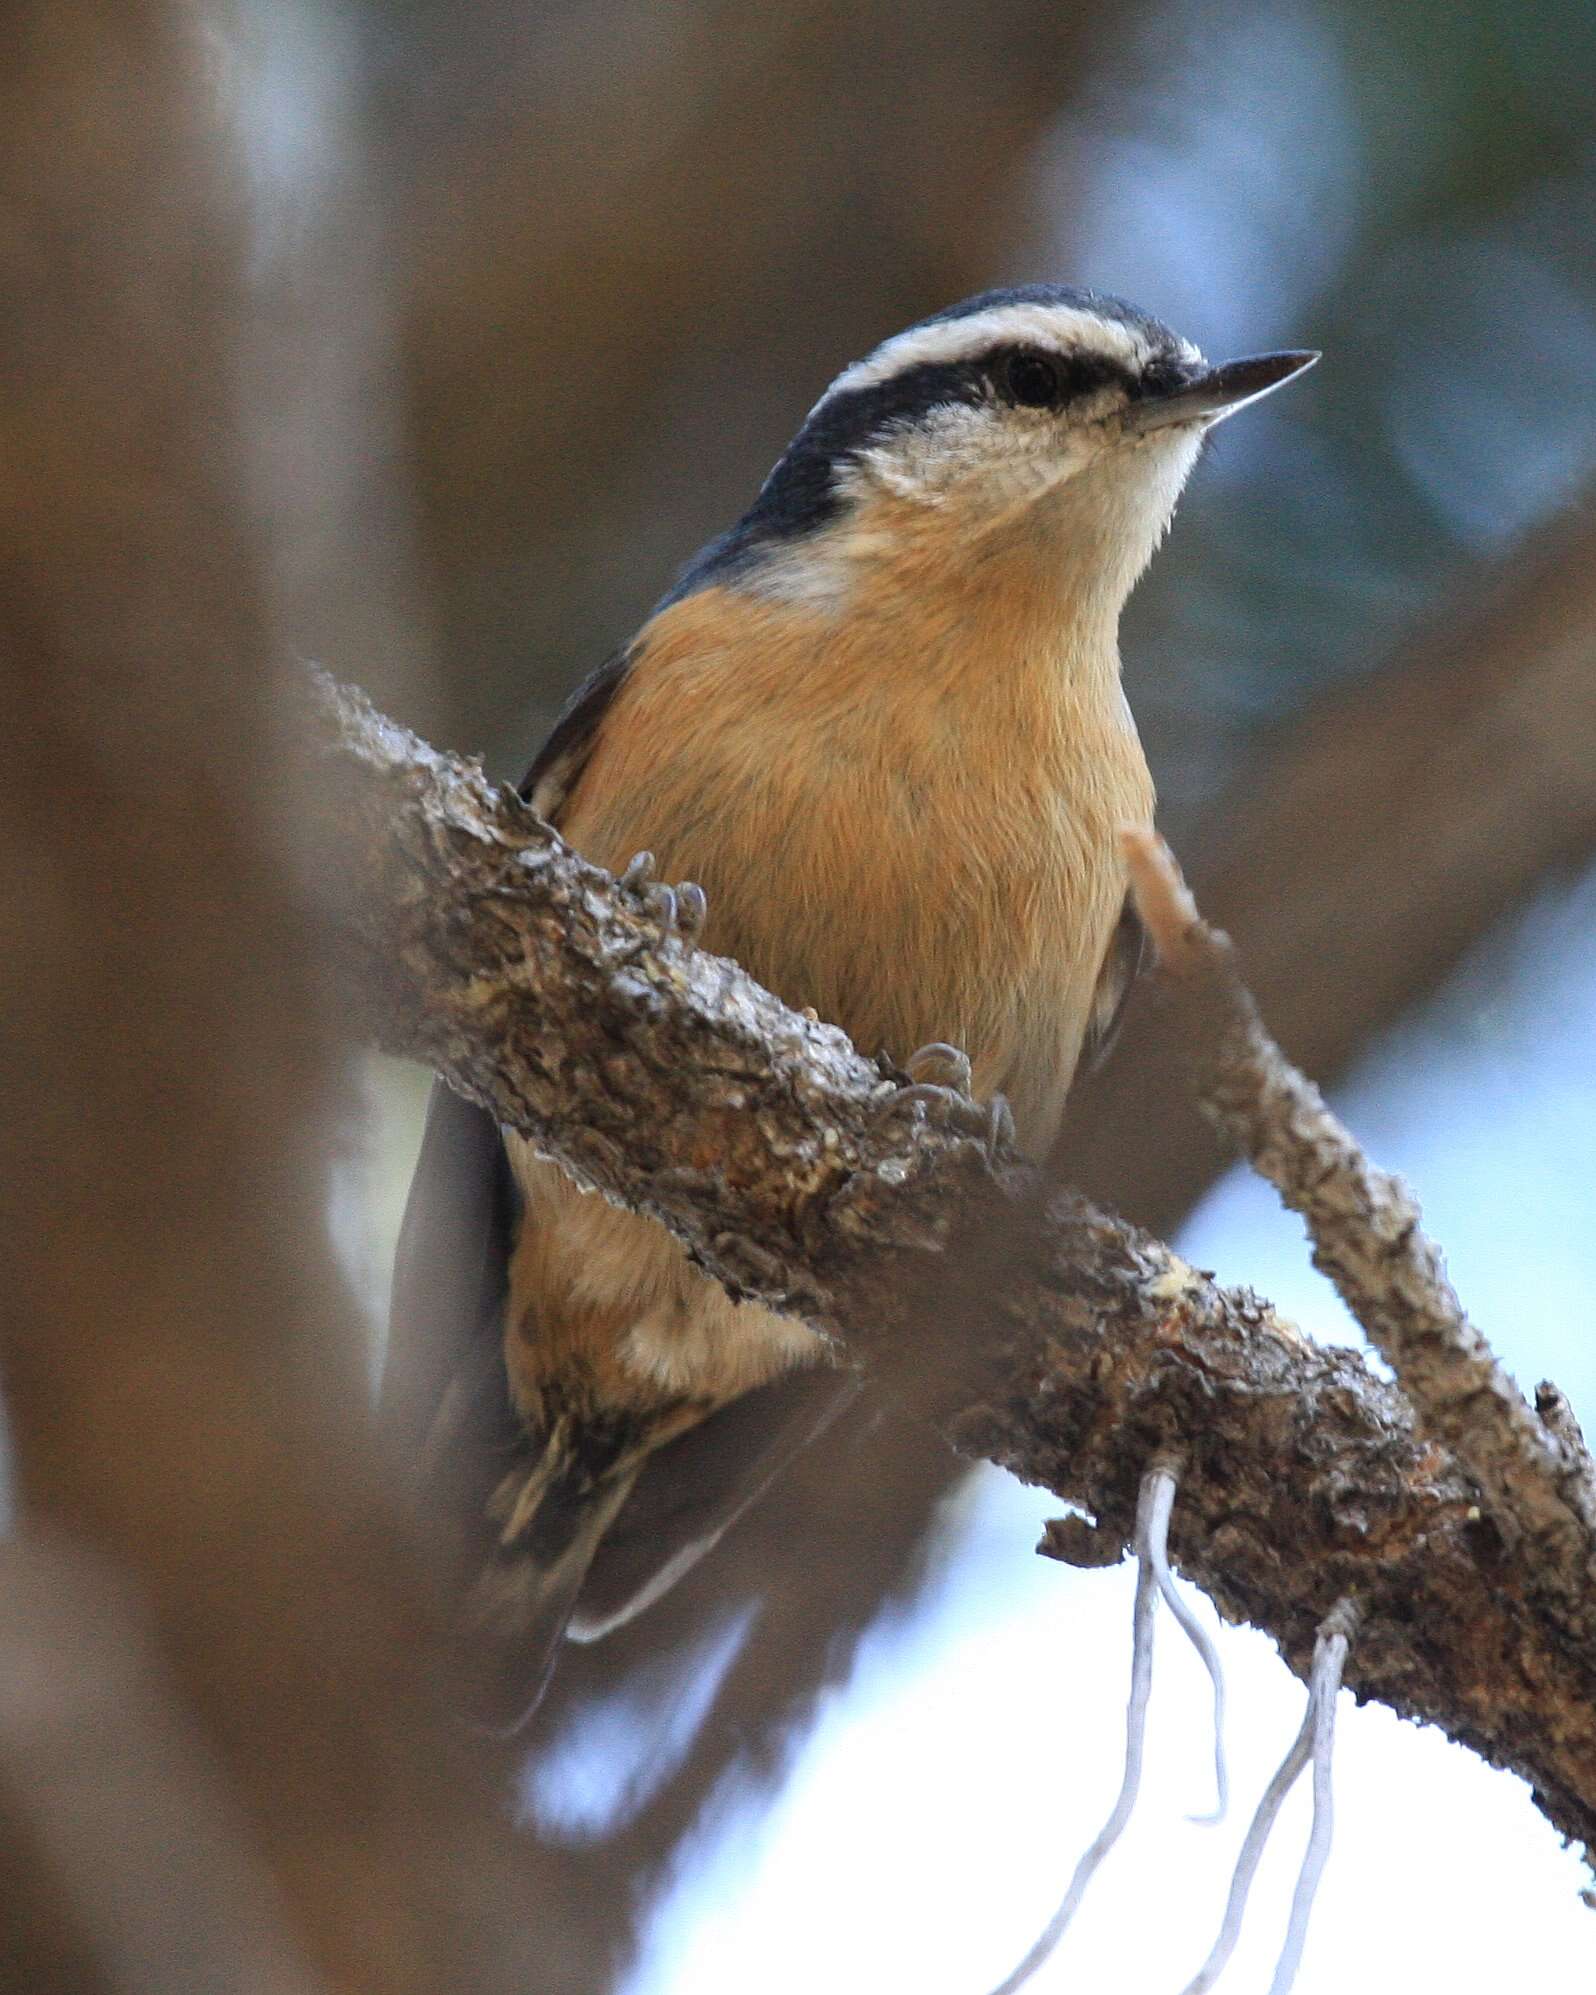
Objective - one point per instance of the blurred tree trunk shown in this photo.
(185, 1382)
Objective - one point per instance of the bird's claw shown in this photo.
(692, 910)
(948, 1101)
(681, 910)
(939, 1059)
(999, 1127)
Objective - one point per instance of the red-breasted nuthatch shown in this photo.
(880, 721)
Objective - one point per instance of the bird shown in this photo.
(880, 723)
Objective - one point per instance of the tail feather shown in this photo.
(554, 1518)
(697, 1486)
(529, 1525)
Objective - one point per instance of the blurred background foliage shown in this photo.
(543, 289)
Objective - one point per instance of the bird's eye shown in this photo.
(1032, 380)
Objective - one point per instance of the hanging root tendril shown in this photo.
(1135, 1739)
(1313, 1744)
(1329, 1658)
(1194, 1631)
(1153, 1577)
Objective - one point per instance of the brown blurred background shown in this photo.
(526, 298)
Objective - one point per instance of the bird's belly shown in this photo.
(607, 1303)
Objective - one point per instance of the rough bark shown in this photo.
(470, 937)
(1368, 1238)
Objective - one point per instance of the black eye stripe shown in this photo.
(1031, 377)
(1033, 380)
(804, 491)
(1162, 375)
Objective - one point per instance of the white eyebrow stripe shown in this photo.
(1064, 329)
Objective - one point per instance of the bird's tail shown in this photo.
(551, 1514)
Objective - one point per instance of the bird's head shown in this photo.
(1057, 423)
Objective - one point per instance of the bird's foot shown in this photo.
(941, 1061)
(946, 1099)
(682, 910)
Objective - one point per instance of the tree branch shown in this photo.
(1368, 1240)
(470, 937)
(1376, 840)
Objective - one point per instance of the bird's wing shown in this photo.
(562, 758)
(601, 1545)
(1127, 956)
(445, 1408)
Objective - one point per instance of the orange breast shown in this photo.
(907, 821)
(918, 852)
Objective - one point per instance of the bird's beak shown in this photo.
(1218, 393)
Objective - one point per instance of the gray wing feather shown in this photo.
(1127, 956)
